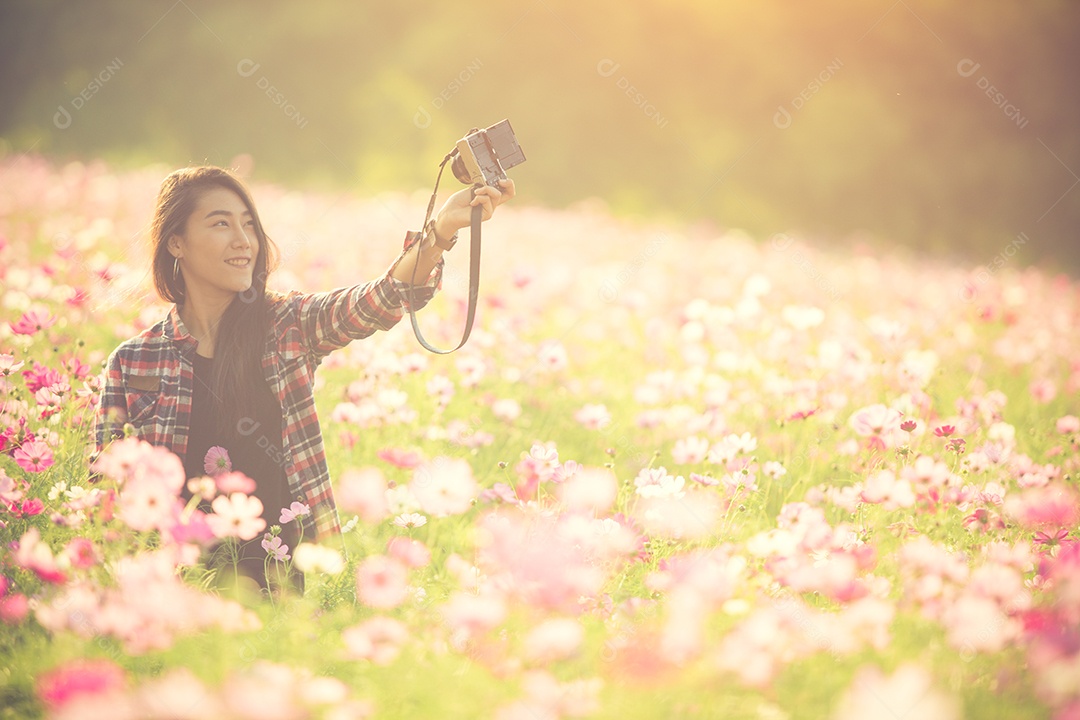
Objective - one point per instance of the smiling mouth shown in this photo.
(239, 263)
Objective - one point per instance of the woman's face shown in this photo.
(218, 248)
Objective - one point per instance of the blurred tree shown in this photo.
(945, 126)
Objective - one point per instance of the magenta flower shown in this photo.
(908, 425)
(217, 461)
(79, 678)
(33, 456)
(81, 552)
(41, 376)
(276, 549)
(1051, 540)
(31, 506)
(33, 321)
(296, 510)
(944, 430)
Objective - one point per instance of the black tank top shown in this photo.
(255, 451)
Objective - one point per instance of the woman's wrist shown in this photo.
(442, 237)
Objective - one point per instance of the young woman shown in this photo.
(233, 364)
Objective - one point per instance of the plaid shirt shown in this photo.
(149, 379)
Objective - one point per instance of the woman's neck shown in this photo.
(202, 318)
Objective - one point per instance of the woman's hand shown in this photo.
(456, 212)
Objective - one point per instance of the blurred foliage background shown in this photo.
(945, 127)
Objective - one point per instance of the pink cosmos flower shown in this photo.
(296, 510)
(378, 639)
(34, 456)
(1051, 540)
(41, 376)
(31, 506)
(538, 557)
(132, 459)
(500, 491)
(1066, 425)
(81, 552)
(506, 409)
(593, 417)
(1043, 390)
(411, 552)
(885, 488)
(875, 420)
(14, 608)
(908, 425)
(217, 461)
(552, 356)
(983, 520)
(275, 548)
(363, 492)
(690, 450)
(590, 490)
(77, 679)
(146, 505)
(470, 613)
(263, 690)
(555, 639)
(382, 582)
(944, 430)
(33, 321)
(565, 471)
(204, 487)
(192, 528)
(1046, 507)
(236, 515)
(8, 364)
(10, 490)
(706, 480)
(444, 486)
(234, 482)
(179, 695)
(399, 457)
(37, 557)
(908, 692)
(977, 624)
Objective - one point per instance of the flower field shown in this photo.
(676, 472)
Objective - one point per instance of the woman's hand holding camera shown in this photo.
(456, 212)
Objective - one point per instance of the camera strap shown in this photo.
(474, 268)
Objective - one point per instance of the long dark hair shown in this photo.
(241, 335)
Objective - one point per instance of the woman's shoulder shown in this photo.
(283, 306)
(148, 347)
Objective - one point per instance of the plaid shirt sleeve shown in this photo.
(111, 411)
(332, 319)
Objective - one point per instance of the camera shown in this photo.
(484, 156)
